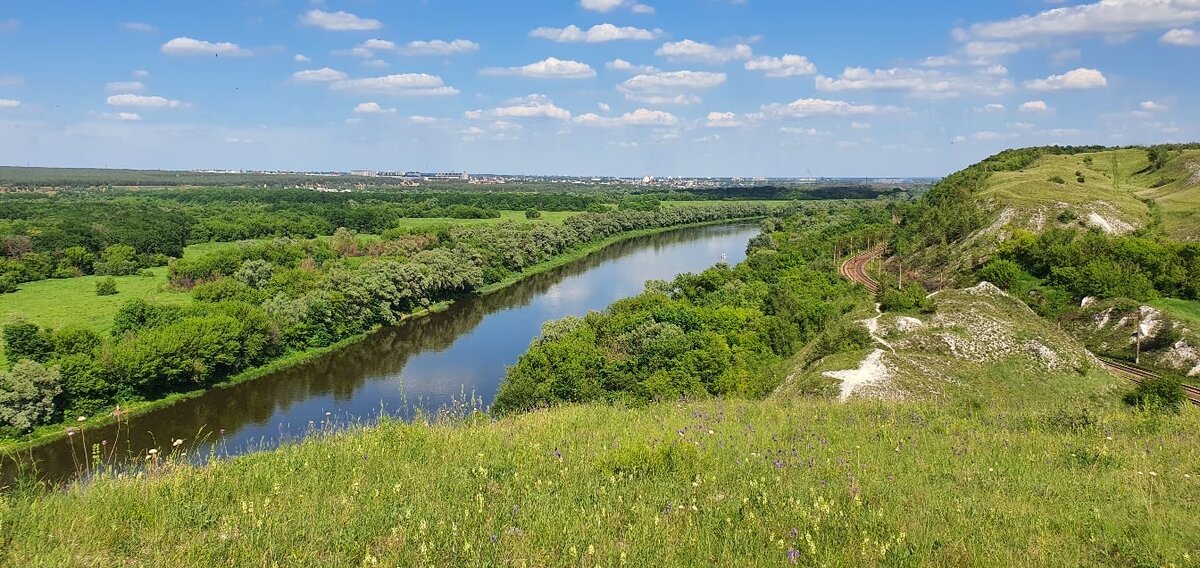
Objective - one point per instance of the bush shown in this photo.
(118, 260)
(1001, 272)
(1067, 216)
(1158, 393)
(24, 340)
(1059, 180)
(27, 395)
(912, 297)
(106, 286)
(533, 214)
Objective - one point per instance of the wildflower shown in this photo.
(793, 555)
(81, 419)
(1152, 474)
(152, 451)
(177, 443)
(1109, 438)
(70, 431)
(557, 454)
(103, 442)
(222, 431)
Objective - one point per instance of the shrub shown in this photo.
(106, 286)
(533, 214)
(1158, 393)
(24, 340)
(1067, 216)
(27, 394)
(118, 260)
(911, 297)
(1079, 177)
(1001, 272)
(1058, 179)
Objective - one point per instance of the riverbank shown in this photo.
(52, 433)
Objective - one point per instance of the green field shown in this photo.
(729, 483)
(1187, 310)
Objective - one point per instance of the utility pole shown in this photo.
(1137, 334)
(900, 260)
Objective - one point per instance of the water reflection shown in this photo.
(421, 364)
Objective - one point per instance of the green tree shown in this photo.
(27, 394)
(25, 340)
(117, 260)
(533, 214)
(106, 286)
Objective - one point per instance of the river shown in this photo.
(444, 360)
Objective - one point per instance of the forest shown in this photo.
(256, 302)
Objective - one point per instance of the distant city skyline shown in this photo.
(696, 88)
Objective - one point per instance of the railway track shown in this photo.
(1138, 374)
(854, 269)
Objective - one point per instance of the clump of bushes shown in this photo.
(911, 297)
(1079, 177)
(1158, 393)
(106, 286)
(1059, 180)
(533, 214)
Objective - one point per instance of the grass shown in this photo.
(1186, 310)
(730, 483)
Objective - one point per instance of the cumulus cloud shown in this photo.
(423, 120)
(378, 44)
(688, 50)
(929, 83)
(300, 58)
(549, 68)
(605, 6)
(122, 116)
(786, 66)
(125, 87)
(322, 75)
(405, 84)
(622, 65)
(672, 87)
(139, 27)
(722, 120)
(639, 117)
(190, 46)
(1151, 106)
(372, 108)
(993, 107)
(1034, 106)
(143, 101)
(1181, 37)
(596, 34)
(9, 103)
(141, 73)
(1105, 17)
(338, 21)
(532, 106)
(439, 47)
(803, 108)
(1077, 79)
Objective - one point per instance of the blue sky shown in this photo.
(589, 87)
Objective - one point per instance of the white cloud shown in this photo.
(987, 50)
(1181, 37)
(803, 108)
(1034, 106)
(786, 66)
(549, 68)
(139, 27)
(940, 61)
(1105, 17)
(375, 63)
(378, 44)
(929, 83)
(418, 119)
(125, 87)
(189, 46)
(1077, 79)
(338, 21)
(322, 75)
(1151, 106)
(722, 120)
(604, 6)
(993, 107)
(372, 108)
(122, 116)
(603, 107)
(688, 50)
(417, 84)
(639, 117)
(860, 125)
(141, 73)
(989, 136)
(143, 101)
(670, 87)
(622, 65)
(440, 47)
(532, 106)
(9, 103)
(596, 34)
(300, 58)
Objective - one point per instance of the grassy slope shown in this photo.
(1114, 186)
(710, 483)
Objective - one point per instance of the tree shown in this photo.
(25, 340)
(117, 260)
(532, 213)
(27, 395)
(106, 286)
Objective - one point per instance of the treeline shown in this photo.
(724, 331)
(61, 236)
(774, 192)
(255, 303)
(1090, 263)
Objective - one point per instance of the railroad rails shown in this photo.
(1138, 374)
(855, 269)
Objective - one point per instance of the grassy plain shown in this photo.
(706, 483)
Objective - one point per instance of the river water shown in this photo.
(445, 360)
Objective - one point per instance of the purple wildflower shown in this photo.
(557, 454)
(793, 555)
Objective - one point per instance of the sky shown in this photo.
(780, 88)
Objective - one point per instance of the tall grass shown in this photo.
(729, 483)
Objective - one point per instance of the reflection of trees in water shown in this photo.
(339, 374)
